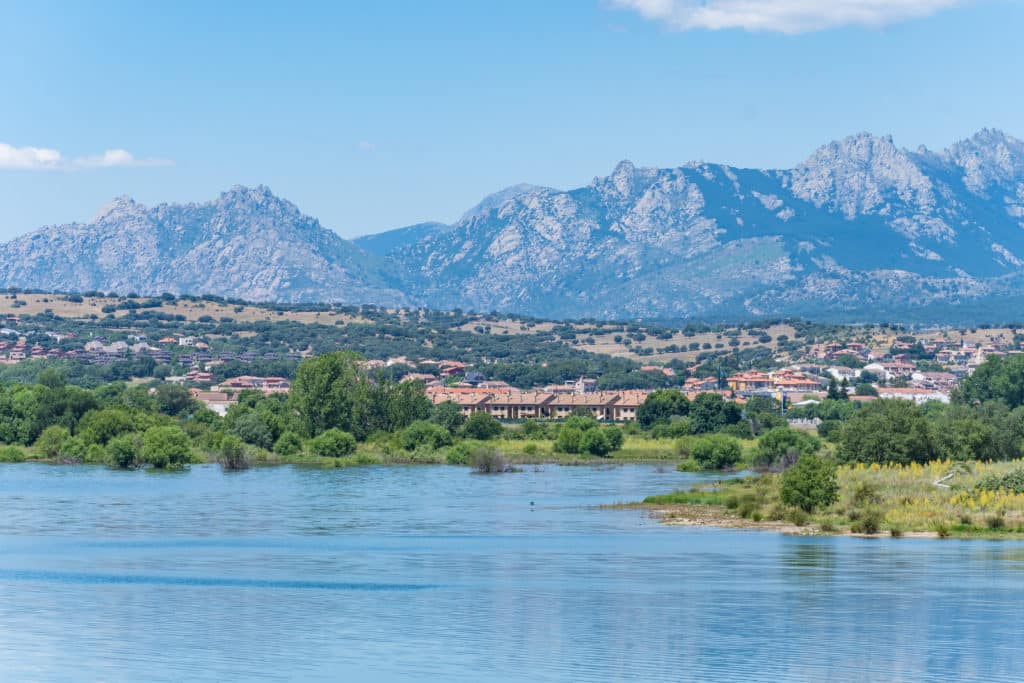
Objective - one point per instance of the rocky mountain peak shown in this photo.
(116, 208)
(989, 157)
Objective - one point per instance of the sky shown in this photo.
(375, 115)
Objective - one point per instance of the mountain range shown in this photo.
(862, 230)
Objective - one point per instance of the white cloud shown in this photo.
(44, 159)
(366, 146)
(782, 16)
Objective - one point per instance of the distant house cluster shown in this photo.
(612, 406)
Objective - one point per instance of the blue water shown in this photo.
(432, 573)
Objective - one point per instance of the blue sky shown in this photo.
(374, 115)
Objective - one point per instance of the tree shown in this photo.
(483, 426)
(333, 443)
(332, 392)
(864, 389)
(288, 444)
(711, 412)
(716, 451)
(887, 430)
(165, 447)
(173, 399)
(251, 428)
(661, 406)
(426, 434)
(809, 484)
(100, 426)
(449, 415)
(777, 442)
(998, 378)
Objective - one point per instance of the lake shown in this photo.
(433, 573)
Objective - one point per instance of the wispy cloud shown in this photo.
(782, 16)
(366, 146)
(45, 159)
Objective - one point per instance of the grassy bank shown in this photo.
(939, 498)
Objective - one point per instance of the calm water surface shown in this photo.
(431, 573)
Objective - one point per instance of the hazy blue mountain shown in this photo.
(247, 243)
(384, 243)
(861, 230)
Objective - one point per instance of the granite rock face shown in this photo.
(862, 230)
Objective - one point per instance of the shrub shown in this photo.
(232, 453)
(482, 426)
(568, 440)
(716, 451)
(51, 440)
(459, 454)
(333, 443)
(614, 436)
(1012, 481)
(288, 444)
(688, 465)
(776, 443)
(425, 434)
(123, 452)
(12, 454)
(594, 442)
(165, 447)
(869, 522)
(810, 483)
(797, 516)
(995, 522)
(490, 461)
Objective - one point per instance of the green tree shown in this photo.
(165, 447)
(887, 430)
(449, 415)
(173, 399)
(716, 451)
(998, 378)
(711, 412)
(251, 428)
(483, 426)
(232, 453)
(332, 392)
(810, 484)
(333, 443)
(100, 426)
(661, 406)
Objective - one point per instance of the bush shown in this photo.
(716, 451)
(12, 454)
(568, 440)
(459, 454)
(51, 440)
(425, 434)
(482, 426)
(594, 442)
(333, 443)
(615, 437)
(123, 452)
(232, 453)
(1012, 481)
(288, 444)
(165, 447)
(776, 443)
(490, 461)
(810, 483)
(675, 429)
(869, 522)
(688, 465)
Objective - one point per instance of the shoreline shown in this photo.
(718, 517)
